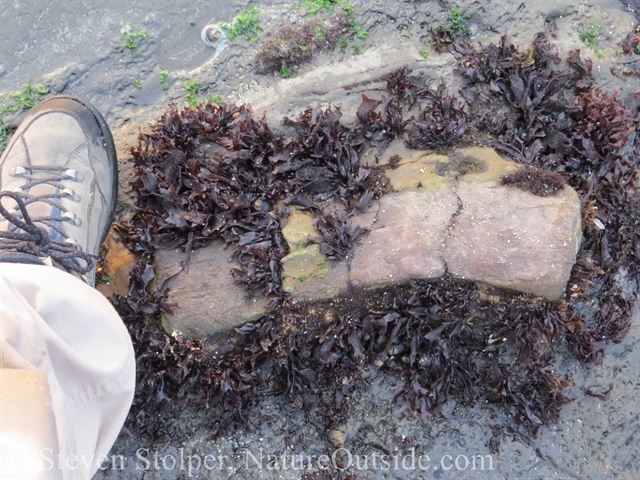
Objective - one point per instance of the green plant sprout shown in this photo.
(164, 80)
(357, 49)
(343, 44)
(302, 48)
(286, 72)
(637, 49)
(424, 54)
(360, 32)
(26, 99)
(316, 5)
(599, 54)
(458, 23)
(192, 89)
(137, 84)
(348, 9)
(243, 24)
(590, 35)
(356, 31)
(129, 36)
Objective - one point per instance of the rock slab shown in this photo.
(510, 238)
(306, 273)
(449, 215)
(208, 301)
(407, 239)
(470, 226)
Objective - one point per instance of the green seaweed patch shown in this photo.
(244, 24)
(129, 37)
(542, 183)
(26, 98)
(164, 80)
(445, 33)
(357, 29)
(192, 89)
(286, 72)
(314, 6)
(589, 36)
(343, 44)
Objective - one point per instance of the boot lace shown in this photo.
(36, 241)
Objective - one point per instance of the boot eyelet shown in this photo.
(72, 241)
(74, 175)
(71, 195)
(17, 171)
(72, 218)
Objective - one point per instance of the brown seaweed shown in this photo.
(186, 195)
(555, 119)
(538, 182)
(441, 121)
(381, 128)
(631, 42)
(337, 237)
(213, 172)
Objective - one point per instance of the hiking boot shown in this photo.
(58, 187)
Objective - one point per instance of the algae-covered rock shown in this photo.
(418, 173)
(309, 275)
(299, 226)
(306, 272)
(452, 214)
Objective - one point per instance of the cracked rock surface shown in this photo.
(406, 241)
(439, 220)
(505, 238)
(472, 227)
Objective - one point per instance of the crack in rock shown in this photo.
(447, 232)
